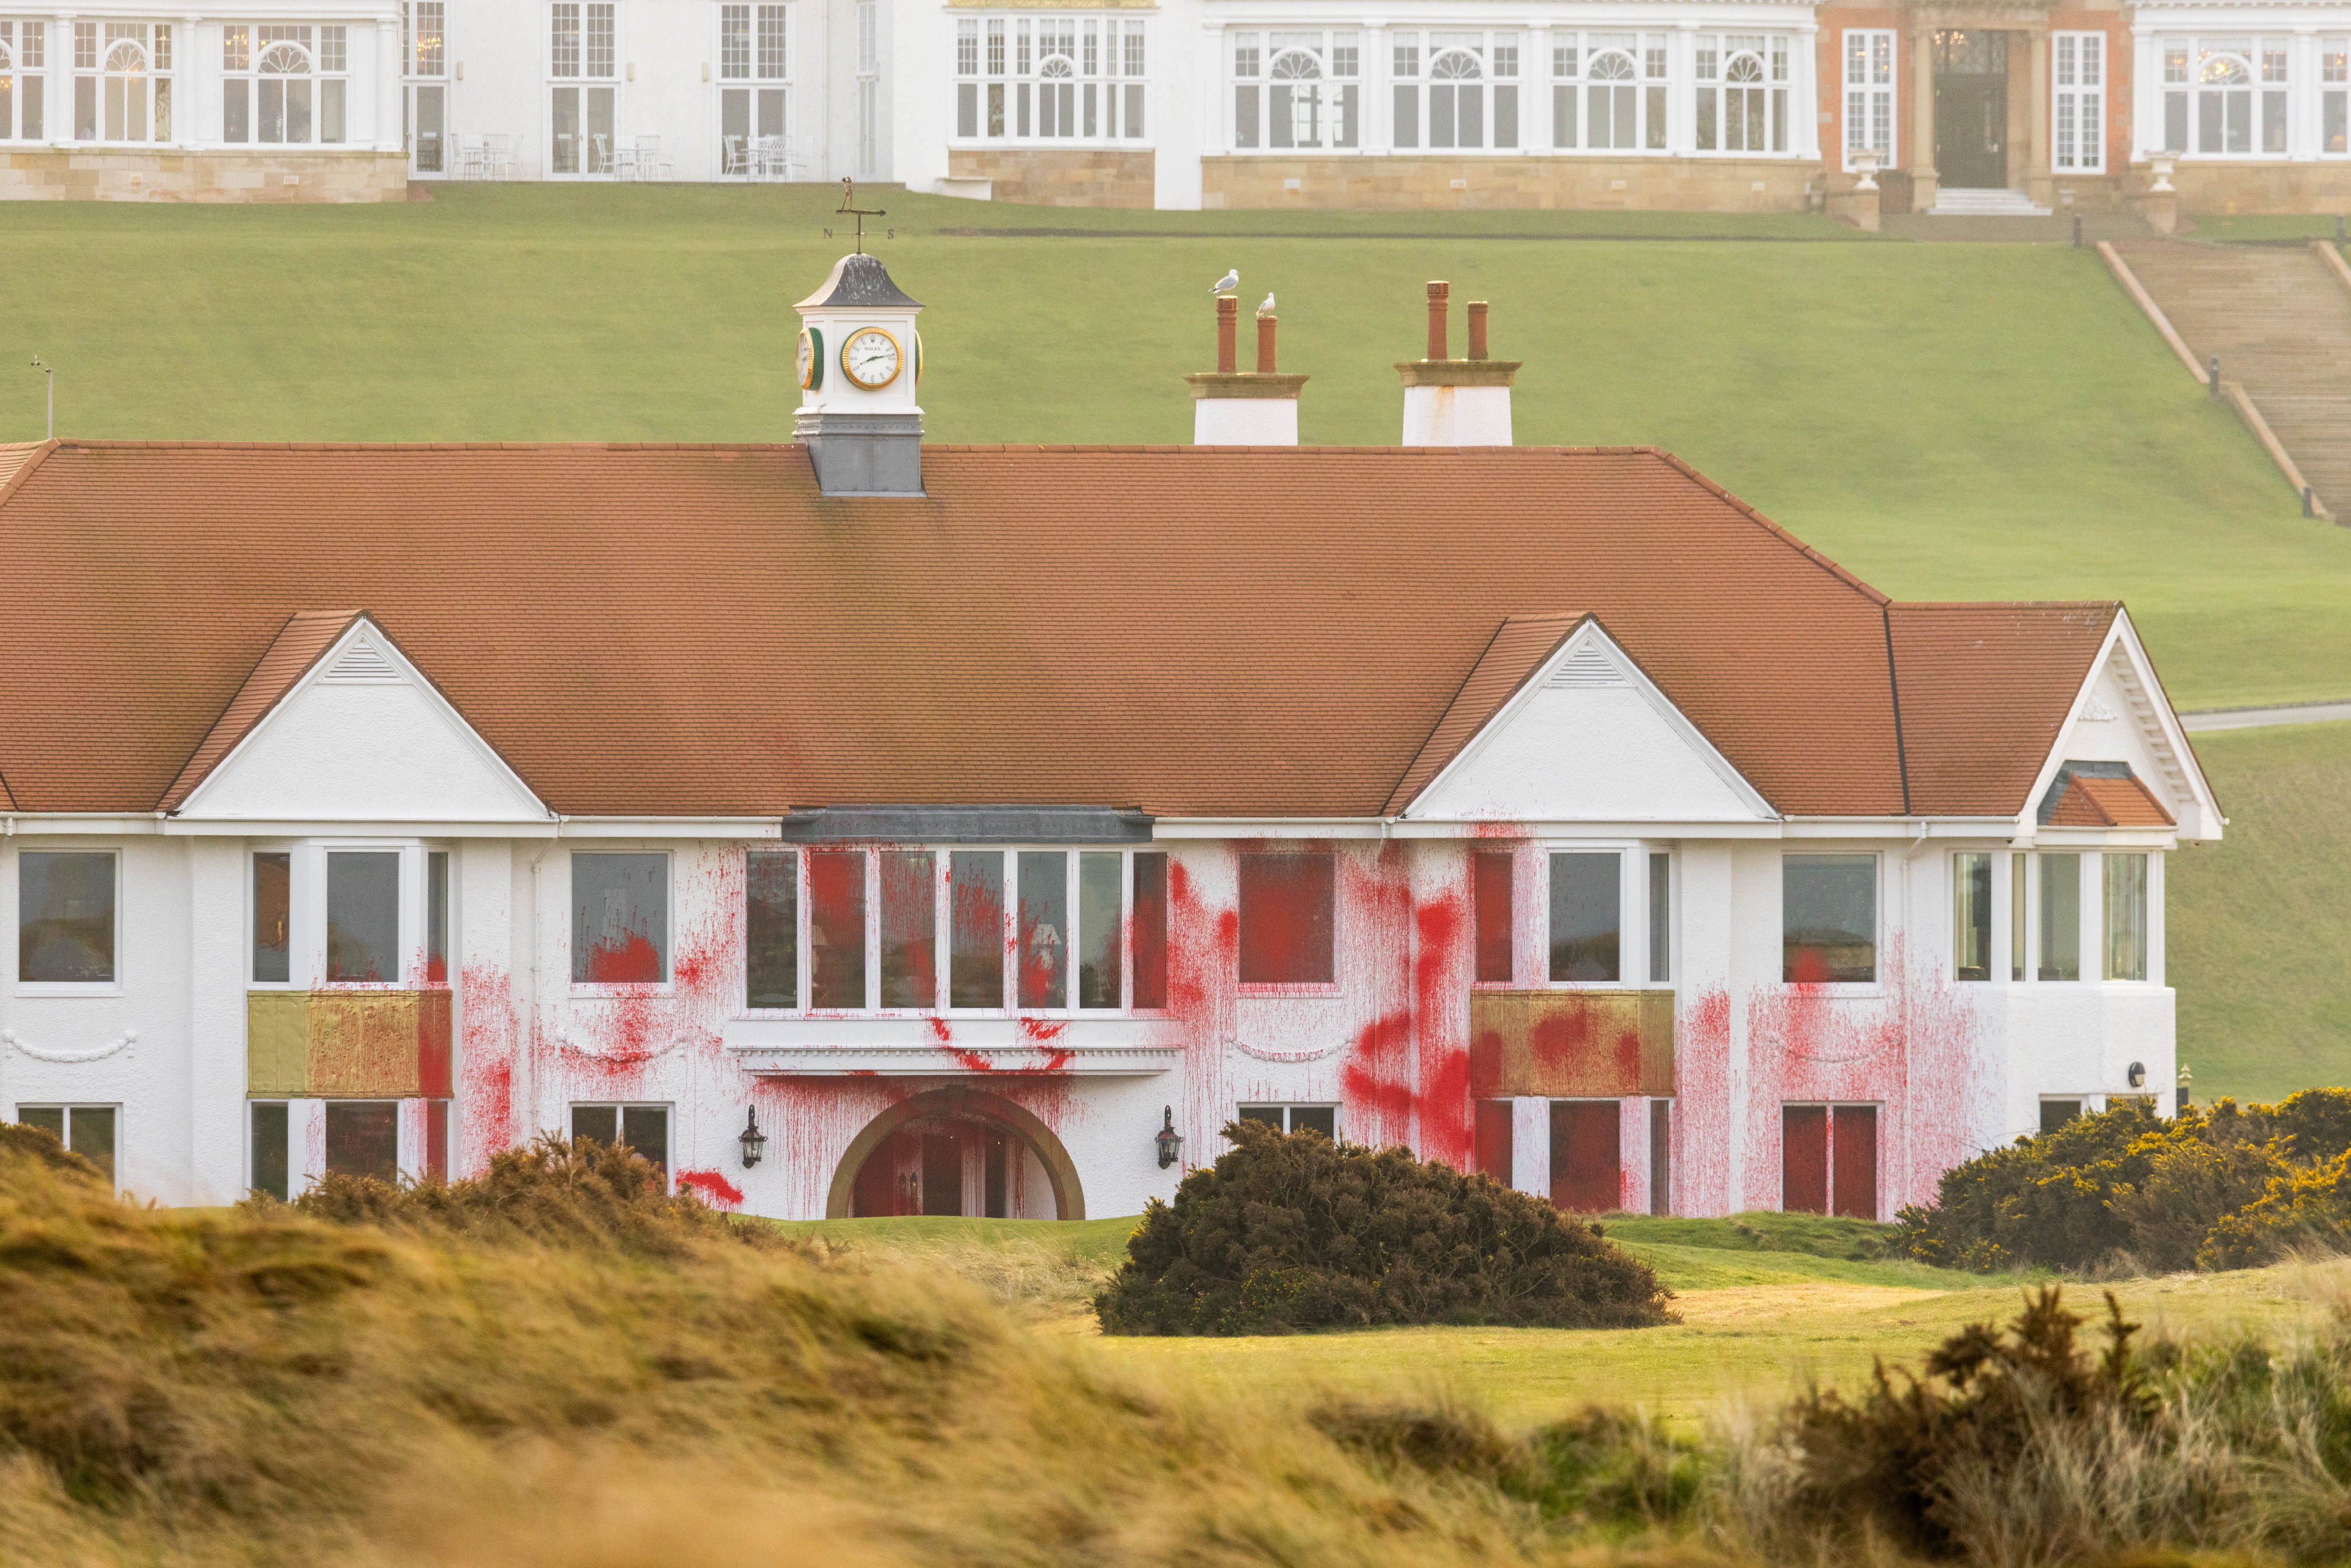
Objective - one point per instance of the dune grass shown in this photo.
(1950, 421)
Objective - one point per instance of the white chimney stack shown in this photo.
(1456, 403)
(1233, 407)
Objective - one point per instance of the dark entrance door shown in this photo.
(1971, 109)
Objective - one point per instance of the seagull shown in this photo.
(1267, 309)
(1230, 280)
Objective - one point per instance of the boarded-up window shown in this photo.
(1828, 906)
(620, 919)
(363, 916)
(1150, 923)
(910, 926)
(1587, 901)
(1586, 1156)
(1098, 948)
(1804, 1159)
(836, 887)
(1494, 1140)
(1041, 932)
(1490, 891)
(1287, 919)
(364, 1138)
(771, 929)
(976, 892)
(273, 911)
(65, 911)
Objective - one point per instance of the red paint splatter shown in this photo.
(484, 1086)
(715, 1188)
(940, 1031)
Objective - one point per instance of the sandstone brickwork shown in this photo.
(1078, 177)
(118, 174)
(1418, 182)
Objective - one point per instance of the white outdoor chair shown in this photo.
(775, 158)
(646, 159)
(498, 157)
(473, 161)
(734, 161)
(600, 154)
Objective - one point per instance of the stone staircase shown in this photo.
(1961, 202)
(2280, 322)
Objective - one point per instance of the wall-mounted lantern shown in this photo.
(1170, 1141)
(754, 1142)
(2138, 1074)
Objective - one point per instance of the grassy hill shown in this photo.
(1950, 421)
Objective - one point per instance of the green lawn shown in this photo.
(2259, 945)
(1948, 420)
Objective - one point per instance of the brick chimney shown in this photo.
(1456, 403)
(1233, 407)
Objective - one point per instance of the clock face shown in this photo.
(871, 358)
(812, 359)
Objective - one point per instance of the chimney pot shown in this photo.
(1476, 328)
(1265, 345)
(1228, 325)
(1438, 294)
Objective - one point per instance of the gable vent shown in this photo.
(1587, 669)
(361, 664)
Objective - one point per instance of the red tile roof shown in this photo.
(2089, 801)
(1520, 646)
(1190, 631)
(306, 634)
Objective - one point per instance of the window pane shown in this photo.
(837, 929)
(1661, 919)
(2061, 917)
(363, 917)
(2055, 1113)
(90, 1134)
(1586, 909)
(1829, 918)
(1269, 1115)
(2125, 912)
(1490, 893)
(976, 895)
(910, 926)
(1098, 927)
(363, 1139)
(620, 919)
(1150, 926)
(269, 1163)
(602, 1123)
(645, 1128)
(50, 1119)
(1287, 919)
(771, 929)
(273, 909)
(436, 918)
(2018, 871)
(1971, 916)
(1042, 932)
(65, 913)
(1323, 1119)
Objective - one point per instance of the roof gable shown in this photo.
(335, 723)
(1584, 734)
(2120, 717)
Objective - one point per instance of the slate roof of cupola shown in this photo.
(859, 282)
(1202, 632)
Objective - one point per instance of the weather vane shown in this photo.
(849, 195)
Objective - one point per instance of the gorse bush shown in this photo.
(2219, 1188)
(1287, 1232)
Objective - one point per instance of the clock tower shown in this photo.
(860, 361)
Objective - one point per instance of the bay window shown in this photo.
(582, 61)
(1304, 92)
(1056, 78)
(1828, 919)
(986, 930)
(1869, 94)
(2225, 95)
(1971, 916)
(2079, 141)
(23, 65)
(1608, 91)
(753, 64)
(2125, 914)
(1456, 91)
(123, 81)
(283, 83)
(1742, 92)
(2061, 916)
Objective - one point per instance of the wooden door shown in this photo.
(1853, 1143)
(1804, 1159)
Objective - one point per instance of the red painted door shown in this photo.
(1804, 1159)
(1494, 1149)
(1853, 1144)
(1586, 1159)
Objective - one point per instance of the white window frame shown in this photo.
(70, 1106)
(1879, 901)
(1335, 105)
(1002, 77)
(24, 63)
(2186, 63)
(1499, 58)
(1872, 72)
(667, 983)
(248, 50)
(1720, 60)
(26, 987)
(583, 79)
(423, 70)
(1287, 1106)
(754, 80)
(2334, 96)
(1632, 911)
(102, 43)
(2079, 69)
(1577, 71)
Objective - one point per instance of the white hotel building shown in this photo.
(1693, 104)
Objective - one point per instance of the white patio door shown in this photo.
(428, 126)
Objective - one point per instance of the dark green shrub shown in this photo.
(1295, 1232)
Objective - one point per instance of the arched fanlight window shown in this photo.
(1456, 100)
(2224, 105)
(1297, 100)
(1612, 101)
(1746, 106)
(1057, 97)
(285, 69)
(1742, 93)
(128, 93)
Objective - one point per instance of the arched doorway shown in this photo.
(956, 1150)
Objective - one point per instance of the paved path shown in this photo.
(2261, 717)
